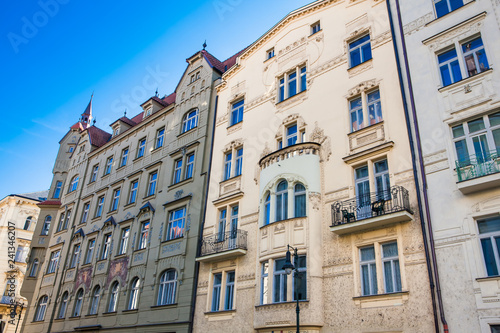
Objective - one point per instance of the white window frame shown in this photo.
(75, 255)
(94, 301)
(74, 184)
(53, 261)
(95, 172)
(176, 225)
(143, 235)
(90, 251)
(315, 27)
(41, 308)
(177, 171)
(167, 288)
(125, 234)
(77, 310)
(100, 206)
(134, 188)
(123, 159)
(46, 225)
(116, 200)
(85, 213)
(360, 48)
(364, 110)
(237, 111)
(114, 292)
(133, 300)
(109, 165)
(106, 246)
(152, 182)
(190, 120)
(64, 305)
(160, 135)
(58, 189)
(283, 82)
(141, 147)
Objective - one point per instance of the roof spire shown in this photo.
(86, 117)
(205, 45)
(156, 92)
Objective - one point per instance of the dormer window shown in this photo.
(148, 112)
(116, 131)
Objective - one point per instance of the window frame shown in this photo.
(152, 182)
(75, 255)
(114, 293)
(190, 120)
(160, 136)
(492, 237)
(94, 300)
(73, 186)
(95, 173)
(89, 252)
(315, 27)
(46, 226)
(109, 166)
(116, 199)
(124, 157)
(77, 308)
(85, 212)
(100, 205)
(364, 110)
(167, 288)
(63, 306)
(133, 190)
(143, 238)
(58, 189)
(41, 308)
(174, 223)
(359, 48)
(141, 147)
(106, 246)
(124, 237)
(298, 76)
(448, 5)
(236, 112)
(133, 298)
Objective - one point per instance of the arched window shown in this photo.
(282, 201)
(34, 268)
(113, 297)
(27, 223)
(267, 210)
(300, 200)
(190, 121)
(41, 307)
(168, 286)
(46, 225)
(94, 303)
(63, 306)
(74, 184)
(78, 303)
(134, 294)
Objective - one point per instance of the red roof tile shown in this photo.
(170, 98)
(221, 66)
(157, 99)
(50, 203)
(77, 125)
(97, 136)
(127, 121)
(137, 119)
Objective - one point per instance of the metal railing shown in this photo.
(478, 165)
(220, 242)
(373, 204)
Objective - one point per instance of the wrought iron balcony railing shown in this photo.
(221, 242)
(478, 165)
(371, 205)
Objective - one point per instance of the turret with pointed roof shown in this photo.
(86, 117)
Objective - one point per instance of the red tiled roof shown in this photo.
(157, 99)
(77, 125)
(221, 66)
(137, 119)
(170, 98)
(127, 121)
(97, 136)
(50, 203)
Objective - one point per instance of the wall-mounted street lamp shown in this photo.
(289, 267)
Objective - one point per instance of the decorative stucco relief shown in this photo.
(318, 136)
(460, 32)
(418, 24)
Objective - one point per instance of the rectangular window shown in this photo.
(315, 28)
(159, 138)
(222, 225)
(303, 79)
(189, 166)
(292, 84)
(74, 256)
(85, 214)
(280, 282)
(100, 204)
(152, 183)
(449, 67)
(360, 51)
(124, 240)
(116, 199)
(227, 165)
(443, 7)
(176, 222)
(372, 110)
(90, 251)
(270, 54)
(239, 162)
(390, 262)
(495, 328)
(282, 90)
(291, 135)
(60, 226)
(216, 292)
(143, 236)
(133, 192)
(474, 57)
(123, 160)
(95, 171)
(53, 261)
(141, 147)
(382, 182)
(237, 112)
(489, 235)
(300, 289)
(109, 164)
(66, 221)
(177, 171)
(368, 271)
(228, 302)
(57, 191)
(264, 283)
(106, 246)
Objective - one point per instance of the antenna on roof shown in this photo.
(156, 92)
(125, 113)
(205, 44)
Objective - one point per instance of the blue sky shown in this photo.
(55, 53)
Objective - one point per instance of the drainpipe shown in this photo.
(200, 237)
(421, 166)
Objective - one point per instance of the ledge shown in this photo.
(166, 306)
(305, 148)
(488, 278)
(448, 14)
(350, 159)
(180, 183)
(465, 80)
(222, 255)
(130, 311)
(381, 300)
(291, 97)
(479, 183)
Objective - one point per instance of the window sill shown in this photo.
(281, 221)
(447, 14)
(465, 81)
(187, 132)
(112, 313)
(267, 59)
(315, 33)
(182, 182)
(74, 317)
(365, 128)
(381, 300)
(166, 241)
(488, 278)
(156, 149)
(291, 97)
(360, 64)
(60, 232)
(235, 124)
(96, 218)
(222, 313)
(88, 264)
(121, 167)
(94, 315)
(121, 255)
(149, 197)
(132, 204)
(101, 260)
(130, 311)
(291, 304)
(140, 250)
(164, 306)
(111, 212)
(105, 175)
(59, 319)
(137, 159)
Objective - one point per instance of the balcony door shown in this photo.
(362, 184)
(234, 228)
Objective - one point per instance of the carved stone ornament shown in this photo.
(319, 136)
(315, 199)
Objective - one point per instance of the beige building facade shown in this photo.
(450, 51)
(126, 208)
(311, 150)
(18, 220)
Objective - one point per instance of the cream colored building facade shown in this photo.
(125, 208)
(18, 220)
(311, 150)
(452, 48)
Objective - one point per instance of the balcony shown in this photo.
(374, 210)
(222, 246)
(479, 172)
(299, 149)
